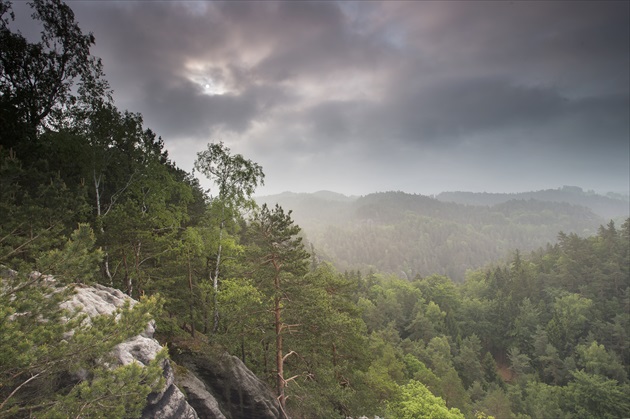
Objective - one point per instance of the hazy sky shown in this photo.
(358, 97)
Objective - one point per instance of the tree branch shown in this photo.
(19, 387)
(287, 355)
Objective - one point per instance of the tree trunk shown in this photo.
(139, 284)
(215, 280)
(277, 309)
(97, 184)
(107, 271)
(279, 357)
(206, 300)
(128, 282)
(192, 299)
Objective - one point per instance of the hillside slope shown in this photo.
(610, 206)
(411, 235)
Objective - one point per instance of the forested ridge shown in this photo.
(409, 235)
(611, 205)
(89, 195)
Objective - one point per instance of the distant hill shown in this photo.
(410, 235)
(313, 209)
(611, 206)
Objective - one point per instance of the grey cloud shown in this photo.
(186, 111)
(563, 43)
(440, 114)
(318, 43)
(466, 107)
(386, 83)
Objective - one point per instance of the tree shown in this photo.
(441, 290)
(591, 395)
(41, 343)
(39, 211)
(236, 179)
(191, 245)
(595, 359)
(524, 326)
(519, 362)
(281, 260)
(243, 319)
(331, 345)
(416, 401)
(468, 361)
(451, 388)
(543, 401)
(496, 403)
(37, 79)
(571, 317)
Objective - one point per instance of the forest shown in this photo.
(410, 235)
(89, 195)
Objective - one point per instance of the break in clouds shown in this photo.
(364, 96)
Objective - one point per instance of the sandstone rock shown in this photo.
(216, 386)
(198, 396)
(239, 393)
(170, 403)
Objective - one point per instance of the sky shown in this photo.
(359, 97)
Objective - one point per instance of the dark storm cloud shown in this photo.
(305, 84)
(446, 113)
(196, 112)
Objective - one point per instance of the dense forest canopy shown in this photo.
(88, 194)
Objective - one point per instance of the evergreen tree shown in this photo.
(40, 344)
(281, 263)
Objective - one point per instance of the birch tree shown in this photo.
(236, 179)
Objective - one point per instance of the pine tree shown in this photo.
(281, 262)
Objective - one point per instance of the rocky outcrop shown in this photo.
(198, 395)
(214, 387)
(170, 403)
(238, 392)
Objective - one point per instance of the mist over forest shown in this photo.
(297, 305)
(415, 236)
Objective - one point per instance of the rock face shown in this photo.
(199, 397)
(170, 403)
(216, 387)
(237, 391)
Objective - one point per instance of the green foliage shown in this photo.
(36, 355)
(468, 361)
(38, 210)
(242, 324)
(37, 78)
(571, 315)
(236, 178)
(76, 261)
(495, 404)
(591, 395)
(543, 401)
(595, 359)
(415, 401)
(112, 393)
